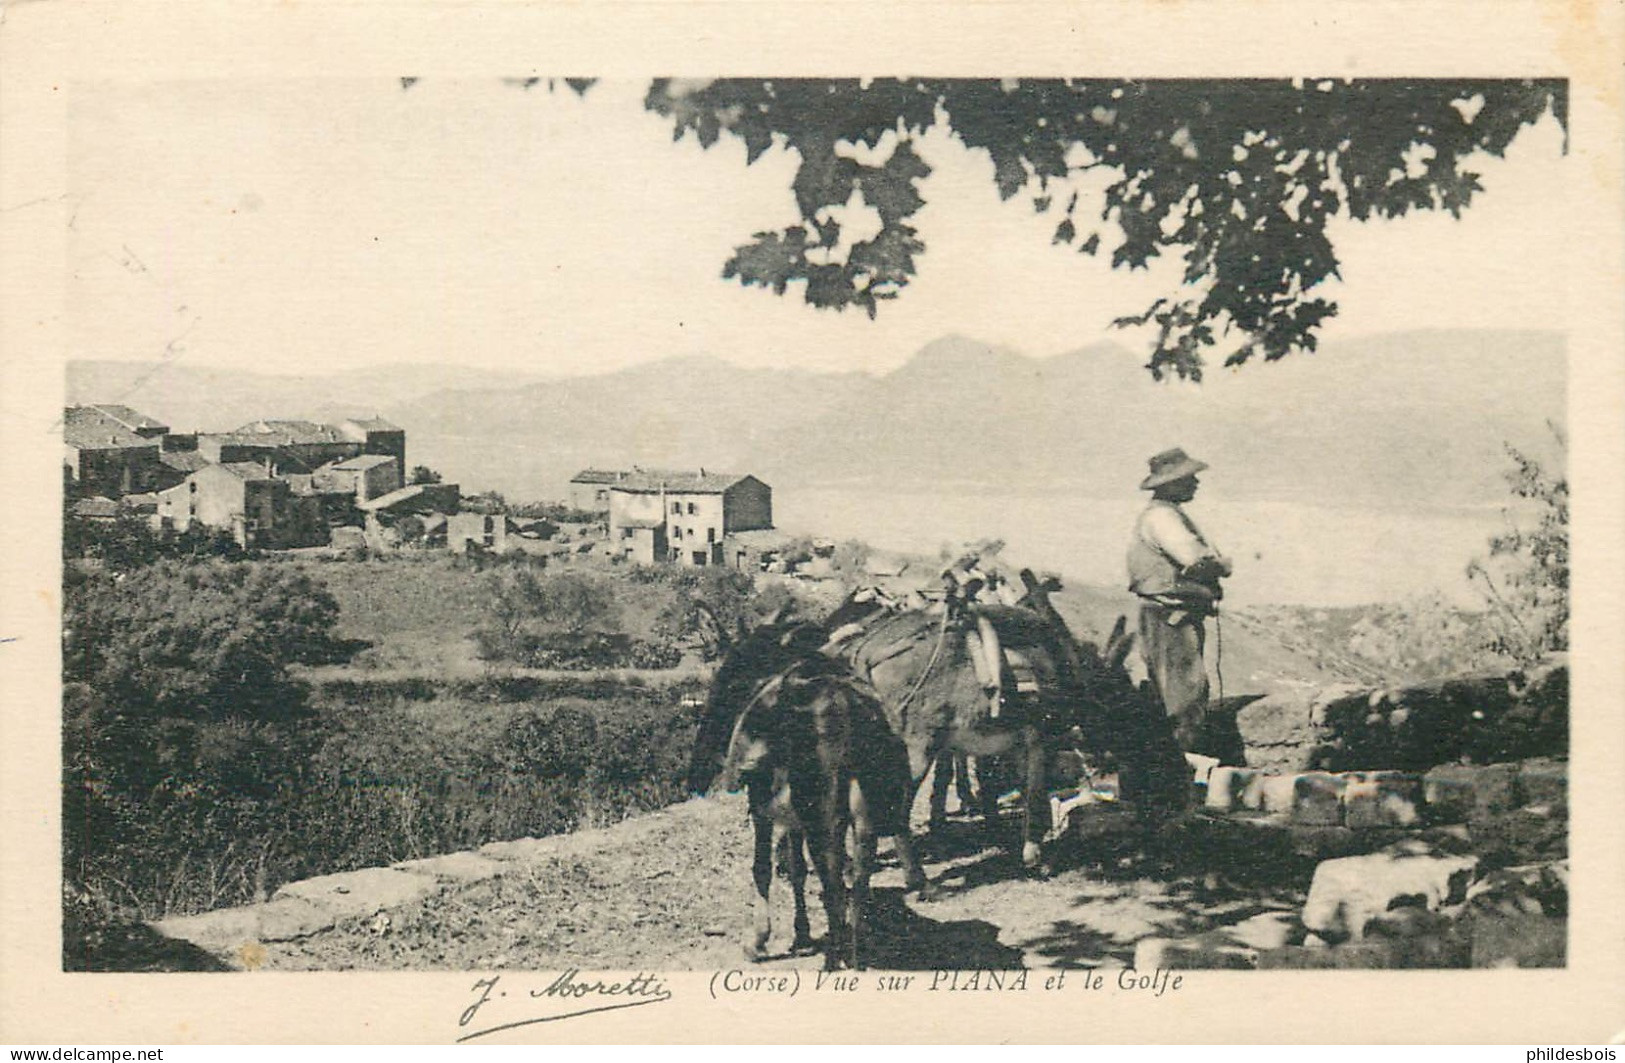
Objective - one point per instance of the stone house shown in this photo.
(684, 517)
(364, 477)
(429, 503)
(243, 498)
(377, 436)
(589, 489)
(495, 532)
(106, 457)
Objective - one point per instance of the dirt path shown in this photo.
(671, 891)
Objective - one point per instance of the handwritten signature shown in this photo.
(637, 991)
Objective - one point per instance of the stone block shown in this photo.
(1382, 799)
(1317, 799)
(1457, 792)
(1205, 952)
(1530, 889)
(455, 867)
(1276, 731)
(1347, 893)
(1267, 930)
(1423, 938)
(1528, 835)
(1201, 767)
(520, 850)
(1408, 922)
(1519, 940)
(291, 918)
(1277, 793)
(1226, 785)
(360, 893)
(1448, 794)
(1544, 781)
(225, 930)
(1252, 791)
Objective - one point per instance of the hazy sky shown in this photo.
(300, 226)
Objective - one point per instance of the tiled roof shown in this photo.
(95, 507)
(361, 462)
(596, 476)
(183, 460)
(129, 418)
(247, 470)
(641, 522)
(288, 433)
(88, 428)
(395, 497)
(701, 482)
(373, 424)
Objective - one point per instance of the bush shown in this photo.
(183, 730)
(1525, 580)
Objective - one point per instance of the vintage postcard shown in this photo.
(560, 524)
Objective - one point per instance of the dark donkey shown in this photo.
(922, 664)
(817, 757)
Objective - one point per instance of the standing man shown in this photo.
(1176, 573)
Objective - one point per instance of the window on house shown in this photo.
(691, 509)
(710, 535)
(676, 532)
(676, 507)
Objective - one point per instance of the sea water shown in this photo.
(1284, 552)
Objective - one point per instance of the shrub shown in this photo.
(183, 730)
(1525, 580)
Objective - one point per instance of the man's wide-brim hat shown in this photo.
(1171, 466)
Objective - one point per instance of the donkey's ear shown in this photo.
(1118, 644)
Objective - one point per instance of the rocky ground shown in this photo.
(672, 891)
(1226, 888)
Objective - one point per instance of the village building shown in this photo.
(244, 499)
(495, 532)
(104, 456)
(389, 518)
(137, 422)
(364, 477)
(377, 436)
(306, 442)
(684, 517)
(95, 508)
(269, 483)
(589, 489)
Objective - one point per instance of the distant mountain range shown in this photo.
(1399, 419)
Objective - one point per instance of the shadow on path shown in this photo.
(901, 939)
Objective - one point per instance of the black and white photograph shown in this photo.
(641, 544)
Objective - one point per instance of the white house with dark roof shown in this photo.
(684, 517)
(589, 489)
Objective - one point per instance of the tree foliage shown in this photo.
(180, 715)
(1238, 177)
(1526, 577)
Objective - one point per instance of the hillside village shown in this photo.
(293, 484)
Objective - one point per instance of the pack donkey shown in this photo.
(944, 677)
(818, 759)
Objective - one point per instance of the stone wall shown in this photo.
(1472, 719)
